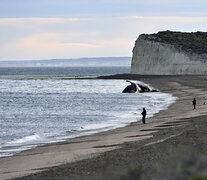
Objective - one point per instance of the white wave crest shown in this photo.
(24, 140)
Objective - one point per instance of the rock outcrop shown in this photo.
(137, 88)
(167, 53)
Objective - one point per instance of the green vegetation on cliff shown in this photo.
(195, 42)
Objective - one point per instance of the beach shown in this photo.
(173, 141)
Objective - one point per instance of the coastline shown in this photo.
(94, 109)
(90, 148)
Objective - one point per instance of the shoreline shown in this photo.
(164, 101)
(92, 146)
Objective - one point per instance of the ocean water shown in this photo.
(34, 112)
(62, 71)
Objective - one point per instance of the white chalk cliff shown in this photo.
(157, 56)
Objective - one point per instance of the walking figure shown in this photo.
(144, 113)
(194, 103)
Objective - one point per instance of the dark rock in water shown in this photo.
(144, 88)
(137, 88)
(130, 89)
(154, 90)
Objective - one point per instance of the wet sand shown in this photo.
(150, 151)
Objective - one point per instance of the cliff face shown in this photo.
(170, 53)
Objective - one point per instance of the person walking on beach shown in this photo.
(194, 103)
(144, 113)
(204, 101)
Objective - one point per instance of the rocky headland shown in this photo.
(170, 53)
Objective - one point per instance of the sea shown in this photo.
(41, 105)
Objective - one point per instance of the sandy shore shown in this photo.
(136, 150)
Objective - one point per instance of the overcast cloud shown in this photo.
(45, 29)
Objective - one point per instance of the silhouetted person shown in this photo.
(194, 103)
(144, 113)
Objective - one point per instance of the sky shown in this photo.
(51, 29)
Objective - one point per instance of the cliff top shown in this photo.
(195, 42)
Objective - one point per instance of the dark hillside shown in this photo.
(195, 42)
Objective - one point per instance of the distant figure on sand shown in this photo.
(144, 113)
(194, 103)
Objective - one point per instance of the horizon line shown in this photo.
(16, 60)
